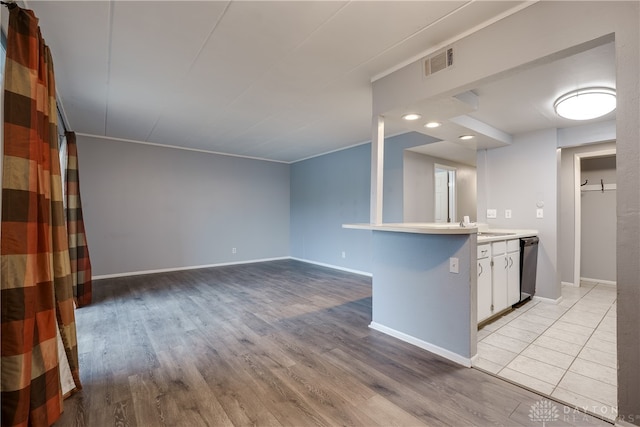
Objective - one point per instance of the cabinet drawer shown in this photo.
(484, 251)
(498, 248)
(513, 245)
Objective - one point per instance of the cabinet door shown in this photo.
(513, 277)
(499, 279)
(484, 289)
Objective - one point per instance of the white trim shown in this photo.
(177, 147)
(447, 354)
(335, 267)
(451, 190)
(548, 300)
(474, 359)
(190, 267)
(600, 281)
(577, 219)
(223, 264)
(570, 284)
(349, 146)
(198, 150)
(452, 40)
(332, 151)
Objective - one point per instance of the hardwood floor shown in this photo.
(281, 343)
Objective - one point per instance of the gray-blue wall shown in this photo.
(326, 192)
(392, 201)
(330, 190)
(152, 208)
(520, 177)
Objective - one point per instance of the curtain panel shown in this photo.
(78, 249)
(37, 292)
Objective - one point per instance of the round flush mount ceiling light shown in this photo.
(433, 125)
(586, 104)
(465, 137)
(411, 116)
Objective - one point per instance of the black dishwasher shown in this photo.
(528, 266)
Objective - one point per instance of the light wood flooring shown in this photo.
(281, 343)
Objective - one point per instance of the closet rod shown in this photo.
(598, 187)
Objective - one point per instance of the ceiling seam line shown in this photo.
(294, 49)
(206, 41)
(474, 29)
(109, 52)
(232, 102)
(358, 65)
(453, 39)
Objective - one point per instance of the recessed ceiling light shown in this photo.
(465, 137)
(586, 104)
(411, 116)
(433, 125)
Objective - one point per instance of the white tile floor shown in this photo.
(565, 350)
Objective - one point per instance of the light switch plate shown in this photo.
(453, 265)
(539, 213)
(507, 213)
(492, 213)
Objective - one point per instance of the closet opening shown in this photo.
(595, 217)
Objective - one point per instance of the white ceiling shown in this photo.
(275, 80)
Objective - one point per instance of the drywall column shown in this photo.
(628, 211)
(377, 166)
(418, 300)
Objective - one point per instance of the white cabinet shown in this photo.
(498, 277)
(513, 272)
(499, 266)
(484, 281)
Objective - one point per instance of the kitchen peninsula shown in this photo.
(415, 296)
(424, 286)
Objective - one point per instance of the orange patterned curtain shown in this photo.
(78, 249)
(37, 293)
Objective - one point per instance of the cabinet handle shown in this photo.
(510, 262)
(481, 270)
(506, 263)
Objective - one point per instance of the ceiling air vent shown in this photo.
(438, 61)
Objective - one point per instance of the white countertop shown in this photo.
(492, 234)
(416, 227)
(496, 234)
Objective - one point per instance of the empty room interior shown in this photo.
(292, 213)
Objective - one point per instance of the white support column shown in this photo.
(377, 167)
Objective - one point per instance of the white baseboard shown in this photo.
(569, 284)
(474, 359)
(191, 267)
(548, 300)
(600, 281)
(447, 354)
(335, 267)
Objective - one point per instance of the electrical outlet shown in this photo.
(492, 213)
(344, 254)
(453, 265)
(507, 213)
(233, 250)
(539, 213)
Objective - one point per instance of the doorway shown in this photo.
(445, 193)
(567, 349)
(590, 182)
